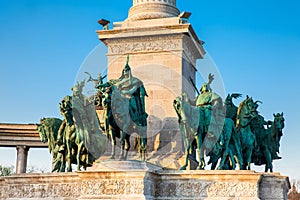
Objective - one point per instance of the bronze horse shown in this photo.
(192, 126)
(122, 118)
(268, 146)
(245, 114)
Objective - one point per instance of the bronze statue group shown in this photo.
(79, 139)
(227, 134)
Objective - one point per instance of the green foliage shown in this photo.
(6, 171)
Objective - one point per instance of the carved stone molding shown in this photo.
(112, 187)
(152, 10)
(144, 184)
(47, 190)
(145, 44)
(233, 189)
(171, 2)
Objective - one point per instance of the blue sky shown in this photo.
(255, 45)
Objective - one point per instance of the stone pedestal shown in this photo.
(163, 53)
(136, 181)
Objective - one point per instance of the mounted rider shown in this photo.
(211, 104)
(133, 89)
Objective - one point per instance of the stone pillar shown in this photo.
(163, 54)
(22, 152)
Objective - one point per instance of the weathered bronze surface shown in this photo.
(228, 134)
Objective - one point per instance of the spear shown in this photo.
(193, 84)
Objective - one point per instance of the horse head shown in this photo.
(178, 106)
(247, 110)
(42, 131)
(66, 109)
(228, 100)
(279, 121)
(185, 107)
(78, 88)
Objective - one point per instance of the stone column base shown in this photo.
(136, 180)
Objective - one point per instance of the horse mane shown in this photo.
(51, 126)
(240, 107)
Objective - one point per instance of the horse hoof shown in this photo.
(183, 168)
(199, 168)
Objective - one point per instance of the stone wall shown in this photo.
(146, 182)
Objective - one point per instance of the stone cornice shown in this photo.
(151, 30)
(149, 39)
(13, 135)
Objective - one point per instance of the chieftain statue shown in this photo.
(77, 139)
(229, 135)
(124, 111)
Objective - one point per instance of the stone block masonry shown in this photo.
(145, 181)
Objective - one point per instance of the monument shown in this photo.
(150, 94)
(163, 50)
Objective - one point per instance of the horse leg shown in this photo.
(113, 144)
(187, 145)
(122, 146)
(186, 161)
(269, 161)
(124, 143)
(85, 159)
(187, 149)
(248, 158)
(69, 156)
(201, 164)
(127, 145)
(61, 158)
(214, 164)
(113, 153)
(63, 166)
(143, 143)
(233, 161)
(79, 150)
(142, 148)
